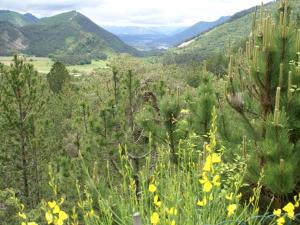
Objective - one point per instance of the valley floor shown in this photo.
(43, 64)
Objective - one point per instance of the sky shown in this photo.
(135, 12)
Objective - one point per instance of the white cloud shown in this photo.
(136, 12)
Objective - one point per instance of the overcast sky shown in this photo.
(135, 12)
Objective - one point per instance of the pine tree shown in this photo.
(57, 77)
(264, 89)
(202, 105)
(18, 106)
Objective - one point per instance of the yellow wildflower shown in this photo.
(156, 201)
(32, 223)
(281, 221)
(63, 216)
(277, 212)
(58, 221)
(173, 222)
(172, 211)
(152, 188)
(231, 209)
(208, 148)
(204, 178)
(289, 208)
(229, 197)
(296, 199)
(215, 158)
(155, 218)
(251, 199)
(207, 186)
(49, 217)
(22, 215)
(56, 209)
(23, 223)
(208, 164)
(239, 196)
(52, 204)
(202, 203)
(216, 180)
(62, 200)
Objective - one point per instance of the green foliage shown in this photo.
(266, 100)
(202, 105)
(9, 207)
(19, 104)
(57, 77)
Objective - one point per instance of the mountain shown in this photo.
(70, 37)
(140, 30)
(31, 18)
(233, 32)
(17, 18)
(194, 30)
(144, 38)
(12, 39)
(162, 37)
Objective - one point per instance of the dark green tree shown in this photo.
(57, 77)
(19, 105)
(201, 106)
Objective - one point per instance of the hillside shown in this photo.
(193, 31)
(17, 18)
(11, 39)
(70, 37)
(216, 40)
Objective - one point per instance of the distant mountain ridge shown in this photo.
(16, 18)
(194, 30)
(145, 38)
(162, 37)
(232, 32)
(70, 37)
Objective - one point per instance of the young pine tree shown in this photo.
(57, 77)
(264, 89)
(18, 107)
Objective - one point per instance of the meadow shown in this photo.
(43, 65)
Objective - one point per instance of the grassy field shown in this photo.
(43, 65)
